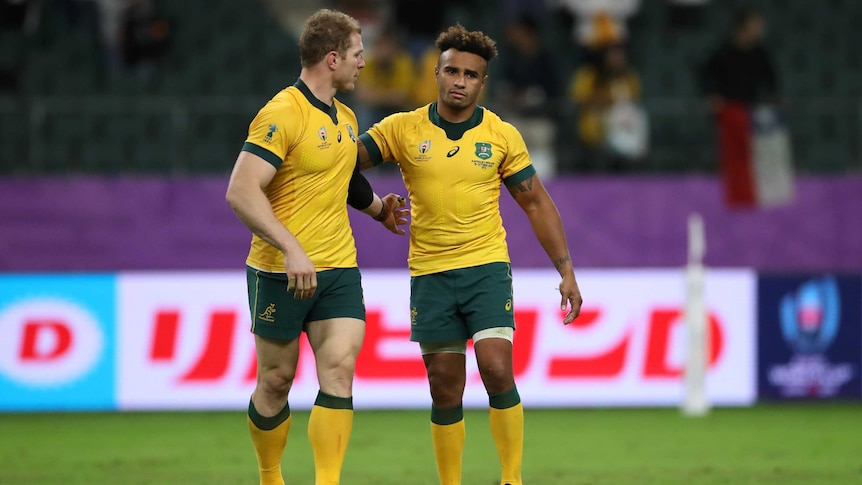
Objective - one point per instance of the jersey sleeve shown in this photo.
(273, 131)
(380, 139)
(517, 165)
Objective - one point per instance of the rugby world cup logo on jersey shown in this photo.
(351, 134)
(423, 147)
(324, 136)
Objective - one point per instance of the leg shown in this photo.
(489, 315)
(494, 358)
(277, 324)
(447, 377)
(268, 410)
(442, 338)
(336, 343)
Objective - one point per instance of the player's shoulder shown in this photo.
(495, 123)
(403, 119)
(288, 101)
(417, 115)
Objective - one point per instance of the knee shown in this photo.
(275, 381)
(497, 376)
(336, 376)
(447, 389)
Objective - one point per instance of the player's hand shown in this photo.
(396, 214)
(301, 276)
(571, 298)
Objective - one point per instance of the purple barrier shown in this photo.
(95, 224)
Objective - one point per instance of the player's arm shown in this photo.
(363, 157)
(245, 195)
(386, 210)
(545, 219)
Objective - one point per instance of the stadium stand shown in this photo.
(69, 115)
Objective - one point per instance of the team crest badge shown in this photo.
(424, 146)
(483, 150)
(322, 133)
(351, 134)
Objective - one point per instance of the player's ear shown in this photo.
(332, 59)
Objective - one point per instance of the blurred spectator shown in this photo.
(386, 83)
(611, 125)
(741, 70)
(684, 14)
(737, 77)
(529, 89)
(425, 82)
(599, 23)
(14, 13)
(111, 17)
(146, 35)
(422, 20)
(13, 18)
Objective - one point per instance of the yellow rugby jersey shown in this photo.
(453, 173)
(313, 148)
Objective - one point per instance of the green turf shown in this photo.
(787, 444)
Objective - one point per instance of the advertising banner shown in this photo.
(183, 342)
(810, 342)
(57, 342)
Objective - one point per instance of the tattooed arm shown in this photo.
(548, 227)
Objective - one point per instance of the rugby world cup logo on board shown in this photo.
(810, 317)
(816, 319)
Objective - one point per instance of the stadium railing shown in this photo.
(202, 134)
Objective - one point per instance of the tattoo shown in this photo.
(558, 263)
(525, 186)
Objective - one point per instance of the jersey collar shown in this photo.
(332, 111)
(454, 131)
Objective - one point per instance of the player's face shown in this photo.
(460, 78)
(347, 67)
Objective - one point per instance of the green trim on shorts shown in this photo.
(453, 305)
(276, 314)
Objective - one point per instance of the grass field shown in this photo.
(786, 444)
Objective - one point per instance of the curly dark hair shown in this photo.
(474, 42)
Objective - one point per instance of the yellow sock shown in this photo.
(448, 433)
(329, 428)
(507, 427)
(269, 435)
